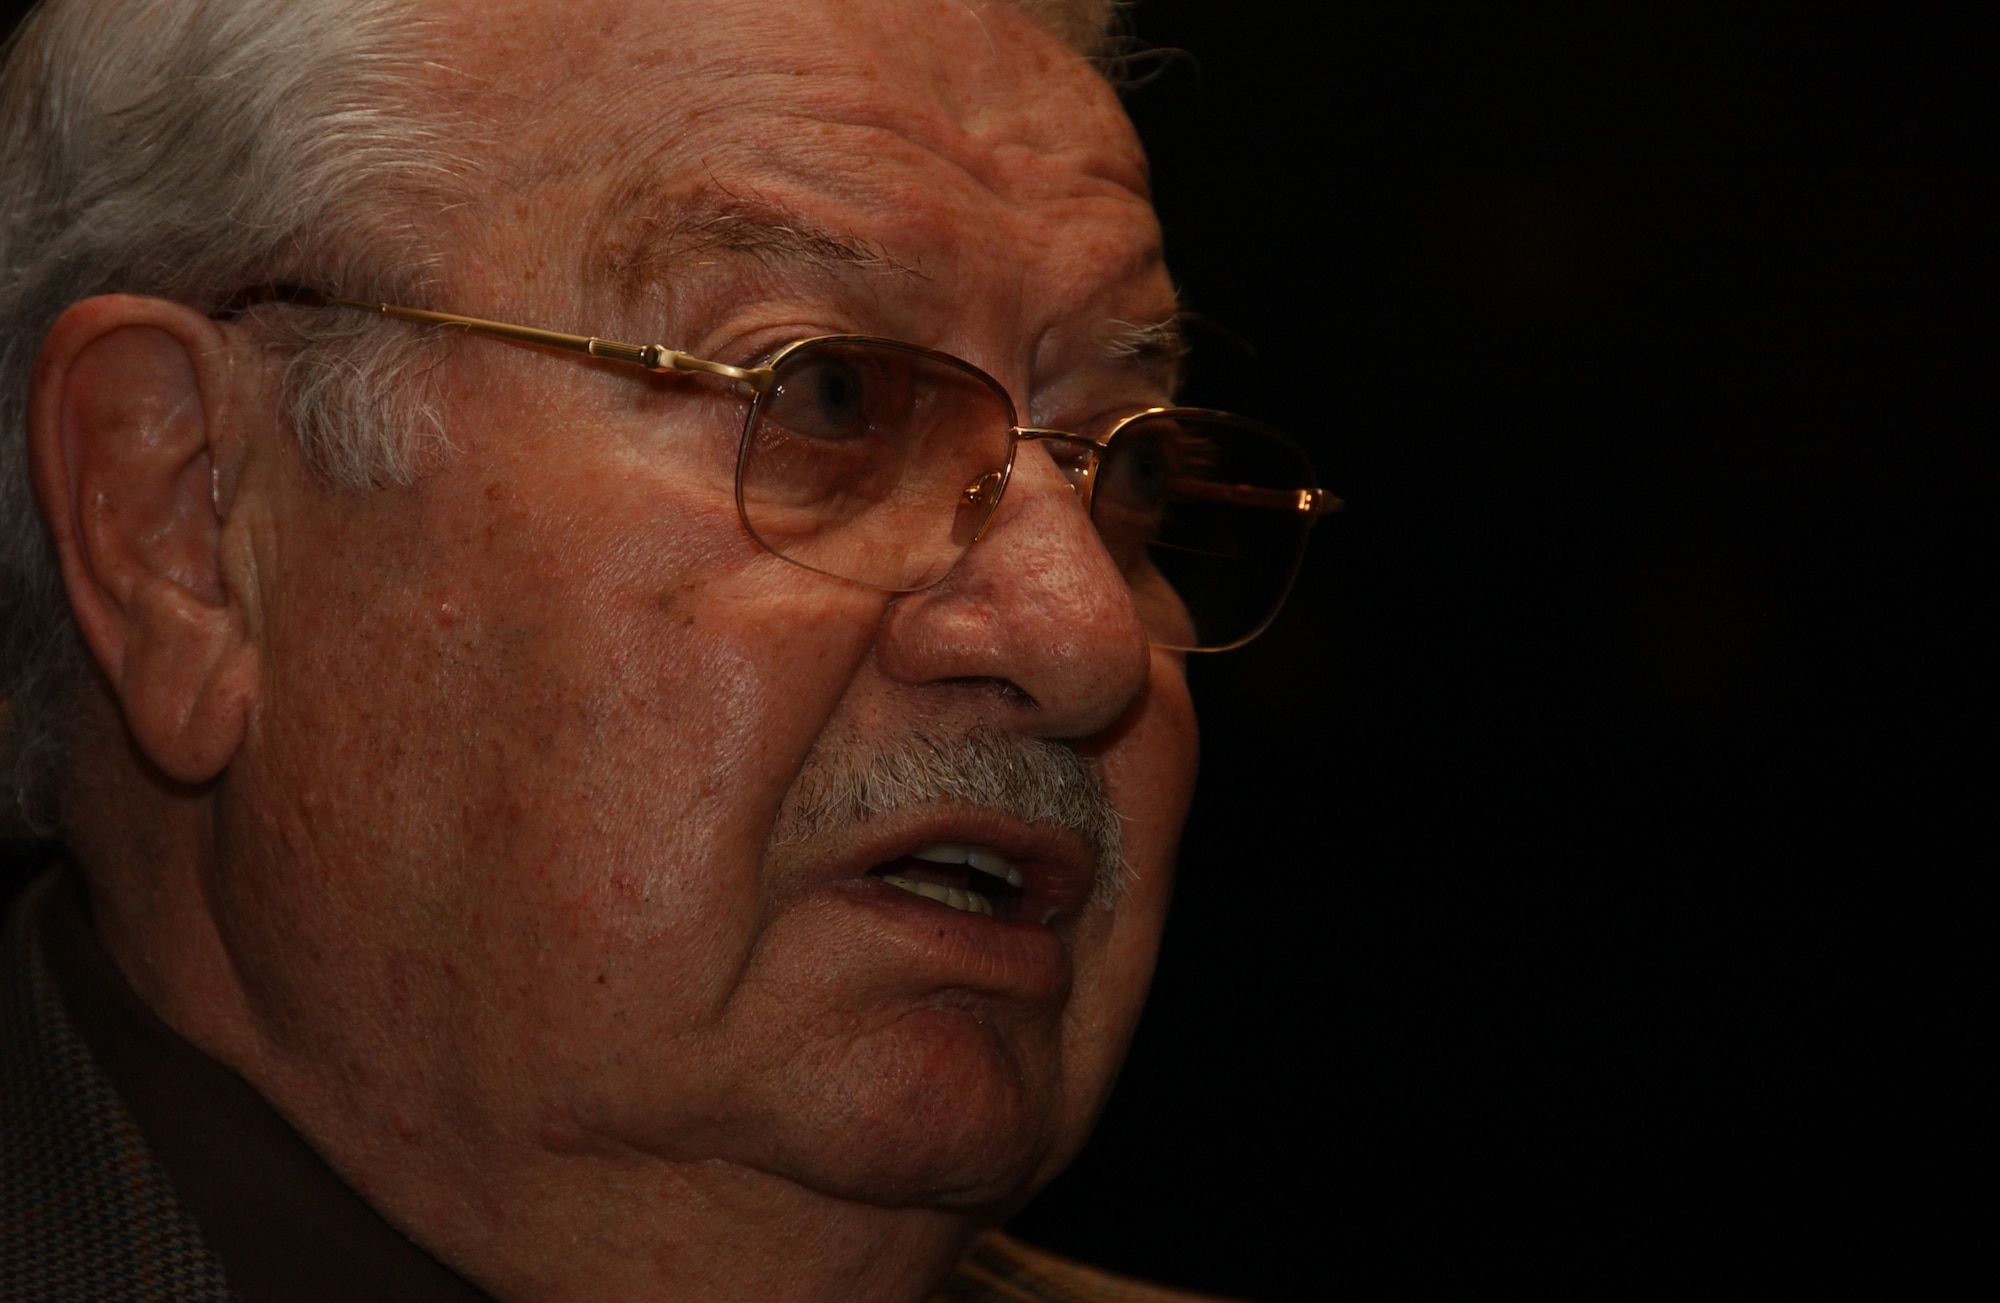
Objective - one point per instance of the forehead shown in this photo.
(907, 139)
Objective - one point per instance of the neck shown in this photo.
(141, 842)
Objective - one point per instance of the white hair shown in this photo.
(191, 149)
(848, 781)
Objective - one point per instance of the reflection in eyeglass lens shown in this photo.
(1204, 508)
(856, 461)
(880, 462)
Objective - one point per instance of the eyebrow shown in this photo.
(1159, 346)
(647, 236)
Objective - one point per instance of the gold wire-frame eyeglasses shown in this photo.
(880, 462)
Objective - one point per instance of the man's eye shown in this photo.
(825, 398)
(1129, 501)
(1134, 475)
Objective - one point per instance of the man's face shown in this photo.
(516, 853)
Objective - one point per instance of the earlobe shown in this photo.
(123, 444)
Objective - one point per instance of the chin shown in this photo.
(941, 1109)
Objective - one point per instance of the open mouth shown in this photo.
(973, 879)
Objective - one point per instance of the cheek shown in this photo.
(530, 742)
(652, 727)
(1149, 769)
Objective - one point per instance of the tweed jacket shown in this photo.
(89, 1215)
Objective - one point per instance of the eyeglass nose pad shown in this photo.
(976, 502)
(1078, 464)
(1083, 479)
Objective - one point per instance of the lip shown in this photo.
(1026, 952)
(1057, 868)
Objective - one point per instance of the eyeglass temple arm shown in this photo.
(1314, 502)
(654, 357)
(1311, 502)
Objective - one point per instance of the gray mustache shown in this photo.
(1034, 780)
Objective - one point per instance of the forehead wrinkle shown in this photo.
(842, 143)
(744, 137)
(966, 111)
(988, 124)
(1015, 205)
(645, 235)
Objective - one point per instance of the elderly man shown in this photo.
(548, 817)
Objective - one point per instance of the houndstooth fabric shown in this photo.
(86, 1212)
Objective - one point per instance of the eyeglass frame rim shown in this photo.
(1312, 503)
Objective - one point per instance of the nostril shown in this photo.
(1005, 691)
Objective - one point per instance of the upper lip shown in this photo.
(1058, 869)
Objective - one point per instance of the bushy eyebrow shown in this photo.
(1158, 347)
(647, 236)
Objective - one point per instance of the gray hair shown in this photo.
(189, 149)
(846, 783)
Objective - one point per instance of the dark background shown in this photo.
(1573, 899)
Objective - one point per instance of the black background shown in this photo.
(1573, 899)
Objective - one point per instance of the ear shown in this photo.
(123, 445)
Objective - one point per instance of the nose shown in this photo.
(1036, 604)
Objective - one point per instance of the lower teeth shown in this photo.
(958, 898)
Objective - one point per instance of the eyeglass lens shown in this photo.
(880, 462)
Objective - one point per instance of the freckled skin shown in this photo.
(489, 876)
